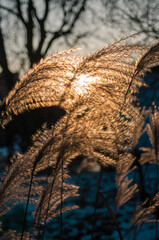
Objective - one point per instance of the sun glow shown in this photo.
(83, 82)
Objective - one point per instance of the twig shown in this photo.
(112, 215)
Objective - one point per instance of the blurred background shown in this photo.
(31, 30)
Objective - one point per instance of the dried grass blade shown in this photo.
(112, 215)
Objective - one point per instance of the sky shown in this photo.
(100, 34)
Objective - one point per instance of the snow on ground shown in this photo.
(77, 224)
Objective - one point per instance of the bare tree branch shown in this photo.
(134, 16)
(67, 23)
(9, 10)
(37, 36)
(4, 62)
(18, 2)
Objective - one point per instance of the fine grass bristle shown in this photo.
(101, 121)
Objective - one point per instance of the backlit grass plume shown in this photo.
(99, 123)
(59, 80)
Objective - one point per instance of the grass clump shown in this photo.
(101, 121)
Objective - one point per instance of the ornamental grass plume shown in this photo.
(100, 118)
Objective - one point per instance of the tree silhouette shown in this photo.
(34, 29)
(134, 16)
